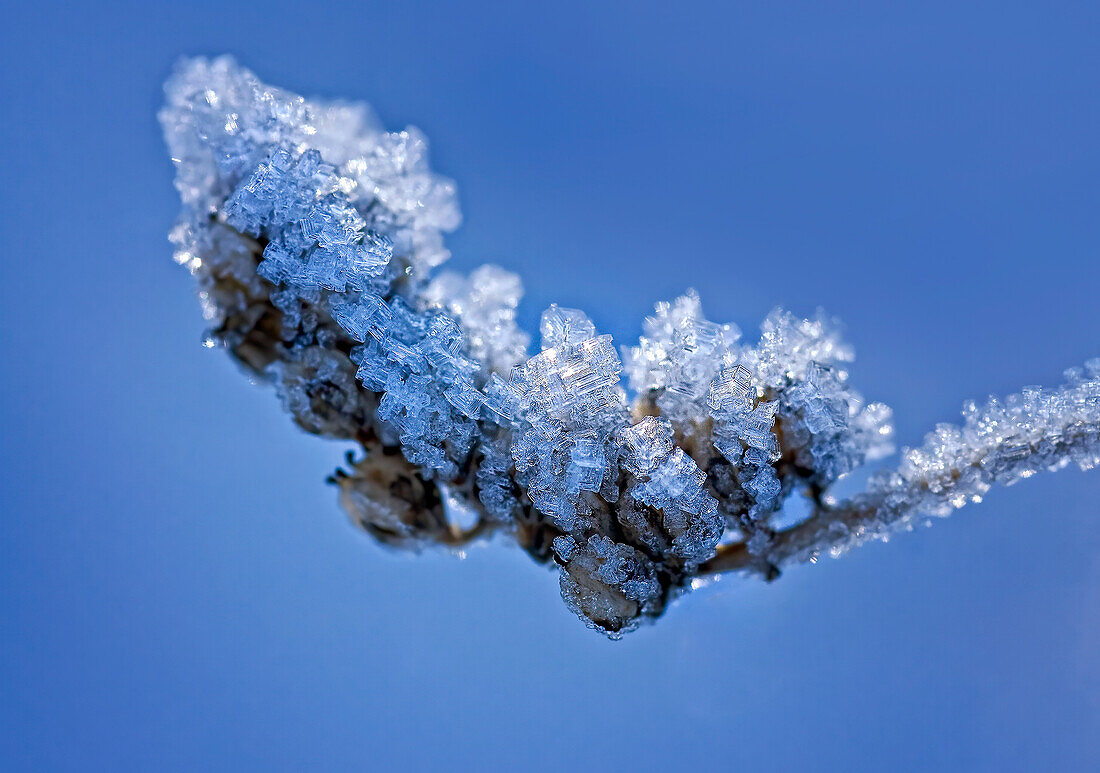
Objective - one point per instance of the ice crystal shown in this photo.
(312, 233)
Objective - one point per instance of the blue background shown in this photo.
(178, 588)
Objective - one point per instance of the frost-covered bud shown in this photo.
(608, 585)
(384, 495)
(317, 387)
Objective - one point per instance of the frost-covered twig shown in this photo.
(1000, 442)
(313, 235)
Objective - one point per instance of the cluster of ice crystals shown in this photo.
(740, 420)
(387, 176)
(829, 429)
(688, 514)
(727, 397)
(485, 305)
(224, 126)
(220, 122)
(789, 346)
(679, 356)
(496, 489)
(316, 238)
(571, 403)
(338, 237)
(429, 397)
(312, 233)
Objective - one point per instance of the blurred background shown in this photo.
(180, 589)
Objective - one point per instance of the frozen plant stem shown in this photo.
(313, 235)
(893, 500)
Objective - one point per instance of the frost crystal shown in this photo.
(312, 233)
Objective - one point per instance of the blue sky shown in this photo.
(180, 587)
